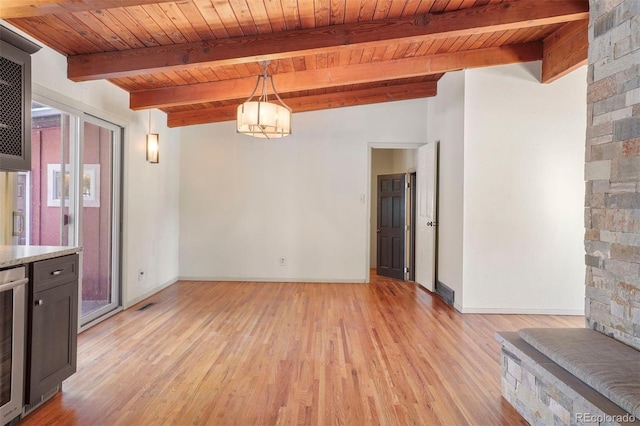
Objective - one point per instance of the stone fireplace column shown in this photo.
(612, 171)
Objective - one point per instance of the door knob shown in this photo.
(378, 231)
(39, 302)
(432, 223)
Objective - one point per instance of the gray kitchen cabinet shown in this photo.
(15, 92)
(53, 327)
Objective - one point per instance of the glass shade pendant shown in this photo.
(260, 118)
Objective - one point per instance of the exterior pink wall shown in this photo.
(96, 226)
(45, 221)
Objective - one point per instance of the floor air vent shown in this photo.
(445, 292)
(147, 306)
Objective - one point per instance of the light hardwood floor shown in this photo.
(290, 353)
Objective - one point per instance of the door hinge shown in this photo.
(406, 270)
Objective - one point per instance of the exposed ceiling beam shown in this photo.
(313, 102)
(287, 44)
(337, 76)
(565, 50)
(25, 8)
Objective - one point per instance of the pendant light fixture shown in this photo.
(263, 119)
(153, 145)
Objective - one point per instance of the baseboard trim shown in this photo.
(523, 311)
(274, 280)
(135, 301)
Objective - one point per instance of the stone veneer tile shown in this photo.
(625, 253)
(627, 128)
(631, 148)
(633, 97)
(610, 104)
(596, 170)
(607, 68)
(607, 151)
(614, 115)
(602, 89)
(624, 200)
(626, 169)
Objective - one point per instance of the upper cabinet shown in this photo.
(15, 96)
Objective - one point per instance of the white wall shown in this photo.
(150, 202)
(446, 124)
(523, 191)
(247, 202)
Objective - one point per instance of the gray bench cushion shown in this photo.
(610, 367)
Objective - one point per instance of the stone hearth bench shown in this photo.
(570, 376)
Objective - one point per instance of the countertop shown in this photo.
(19, 255)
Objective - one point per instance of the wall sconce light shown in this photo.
(153, 145)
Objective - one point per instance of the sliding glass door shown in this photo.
(100, 218)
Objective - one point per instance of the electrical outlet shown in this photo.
(283, 261)
(140, 274)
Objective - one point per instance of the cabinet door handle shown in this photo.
(39, 302)
(58, 272)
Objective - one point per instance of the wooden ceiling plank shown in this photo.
(321, 40)
(198, 22)
(74, 41)
(411, 7)
(322, 12)
(382, 9)
(275, 15)
(39, 30)
(412, 49)
(311, 103)
(140, 15)
(565, 50)
(336, 15)
(174, 13)
(127, 20)
(351, 11)
(119, 29)
(454, 5)
(291, 14)
(30, 8)
(260, 17)
(228, 18)
(367, 55)
(395, 9)
(337, 76)
(367, 9)
(425, 6)
(211, 17)
(244, 16)
(307, 14)
(162, 20)
(88, 32)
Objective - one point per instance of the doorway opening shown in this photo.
(417, 165)
(392, 235)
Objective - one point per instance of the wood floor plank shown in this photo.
(229, 353)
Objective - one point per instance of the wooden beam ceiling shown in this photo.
(565, 50)
(24, 8)
(312, 103)
(336, 76)
(319, 40)
(187, 56)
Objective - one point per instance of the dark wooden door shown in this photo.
(391, 229)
